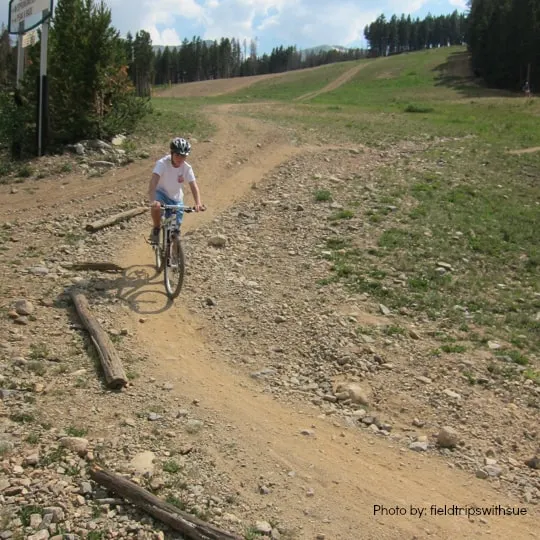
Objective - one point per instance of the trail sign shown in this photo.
(30, 38)
(30, 13)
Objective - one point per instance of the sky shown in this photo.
(271, 23)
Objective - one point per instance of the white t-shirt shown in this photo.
(172, 179)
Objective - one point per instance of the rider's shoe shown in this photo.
(154, 236)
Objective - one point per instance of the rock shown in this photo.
(85, 488)
(118, 140)
(101, 163)
(414, 334)
(448, 437)
(32, 459)
(533, 463)
(98, 144)
(56, 512)
(419, 446)
(24, 307)
(493, 345)
(384, 309)
(40, 535)
(452, 394)
(354, 392)
(39, 270)
(263, 527)
(143, 463)
(218, 241)
(194, 426)
(75, 444)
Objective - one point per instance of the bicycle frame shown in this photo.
(168, 251)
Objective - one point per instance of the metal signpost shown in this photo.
(26, 15)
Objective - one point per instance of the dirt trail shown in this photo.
(347, 472)
(531, 150)
(219, 87)
(336, 83)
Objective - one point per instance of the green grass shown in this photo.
(73, 431)
(38, 351)
(291, 85)
(174, 117)
(323, 195)
(26, 511)
(171, 466)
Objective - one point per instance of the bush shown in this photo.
(13, 121)
(124, 115)
(418, 109)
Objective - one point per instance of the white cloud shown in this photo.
(461, 4)
(169, 36)
(304, 23)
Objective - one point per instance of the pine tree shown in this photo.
(7, 59)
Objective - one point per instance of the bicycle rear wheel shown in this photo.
(174, 268)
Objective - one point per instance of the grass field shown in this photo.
(461, 198)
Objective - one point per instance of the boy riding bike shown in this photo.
(170, 174)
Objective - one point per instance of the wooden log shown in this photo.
(107, 222)
(112, 365)
(189, 525)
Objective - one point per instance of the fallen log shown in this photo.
(110, 361)
(189, 525)
(107, 222)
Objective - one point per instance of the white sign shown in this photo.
(24, 10)
(30, 38)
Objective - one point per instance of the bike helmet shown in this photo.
(180, 146)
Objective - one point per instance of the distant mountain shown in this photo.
(324, 48)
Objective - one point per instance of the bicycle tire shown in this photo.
(158, 256)
(174, 268)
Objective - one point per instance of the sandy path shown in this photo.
(336, 83)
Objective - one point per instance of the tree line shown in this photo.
(405, 34)
(504, 40)
(198, 60)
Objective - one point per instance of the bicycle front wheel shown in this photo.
(158, 254)
(174, 268)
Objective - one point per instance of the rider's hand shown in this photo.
(156, 204)
(199, 207)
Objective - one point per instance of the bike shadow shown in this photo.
(138, 286)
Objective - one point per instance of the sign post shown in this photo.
(20, 54)
(43, 84)
(25, 15)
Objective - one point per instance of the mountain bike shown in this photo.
(168, 252)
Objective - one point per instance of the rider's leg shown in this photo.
(179, 218)
(155, 212)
